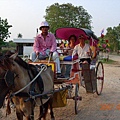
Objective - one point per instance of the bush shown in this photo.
(5, 49)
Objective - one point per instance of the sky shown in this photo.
(25, 16)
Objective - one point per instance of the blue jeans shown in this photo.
(55, 58)
(66, 70)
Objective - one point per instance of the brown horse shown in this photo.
(16, 74)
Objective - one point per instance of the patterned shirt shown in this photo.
(40, 45)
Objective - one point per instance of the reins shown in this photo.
(43, 67)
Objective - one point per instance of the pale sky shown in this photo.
(26, 15)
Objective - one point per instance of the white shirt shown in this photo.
(82, 52)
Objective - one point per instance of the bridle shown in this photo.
(9, 78)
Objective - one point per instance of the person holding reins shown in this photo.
(45, 45)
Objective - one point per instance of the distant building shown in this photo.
(20, 43)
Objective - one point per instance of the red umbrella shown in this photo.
(65, 33)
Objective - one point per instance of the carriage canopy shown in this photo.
(66, 32)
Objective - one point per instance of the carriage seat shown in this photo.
(68, 58)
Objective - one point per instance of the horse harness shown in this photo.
(9, 78)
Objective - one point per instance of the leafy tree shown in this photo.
(67, 15)
(19, 35)
(11, 44)
(113, 35)
(4, 31)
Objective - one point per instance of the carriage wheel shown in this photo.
(77, 97)
(99, 78)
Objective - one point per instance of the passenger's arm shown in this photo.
(74, 52)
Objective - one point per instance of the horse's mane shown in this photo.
(18, 59)
(22, 63)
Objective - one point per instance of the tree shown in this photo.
(113, 34)
(67, 15)
(4, 31)
(19, 35)
(11, 44)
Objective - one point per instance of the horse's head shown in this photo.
(6, 77)
(4, 89)
(17, 68)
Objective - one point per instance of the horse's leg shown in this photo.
(31, 111)
(32, 114)
(46, 110)
(19, 114)
(24, 109)
(51, 108)
(43, 111)
(29, 117)
(49, 103)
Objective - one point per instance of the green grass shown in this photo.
(5, 49)
(109, 61)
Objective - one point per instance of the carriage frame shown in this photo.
(94, 84)
(91, 77)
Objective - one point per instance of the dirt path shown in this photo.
(103, 107)
(106, 106)
(92, 107)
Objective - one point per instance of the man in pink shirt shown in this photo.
(45, 45)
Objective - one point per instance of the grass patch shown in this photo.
(108, 62)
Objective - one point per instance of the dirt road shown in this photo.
(92, 106)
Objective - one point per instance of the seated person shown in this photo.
(94, 54)
(61, 47)
(71, 44)
(45, 45)
(82, 50)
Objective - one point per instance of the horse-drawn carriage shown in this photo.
(35, 82)
(91, 77)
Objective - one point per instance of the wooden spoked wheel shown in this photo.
(99, 78)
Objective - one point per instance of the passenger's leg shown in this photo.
(56, 59)
(67, 72)
(63, 69)
(42, 57)
(33, 56)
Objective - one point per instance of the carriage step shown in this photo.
(60, 81)
(66, 78)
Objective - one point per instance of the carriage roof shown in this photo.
(66, 32)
